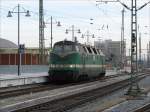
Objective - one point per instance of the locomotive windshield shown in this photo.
(64, 48)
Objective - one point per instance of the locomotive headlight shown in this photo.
(71, 66)
(52, 66)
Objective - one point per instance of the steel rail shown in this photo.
(70, 102)
(27, 90)
(21, 90)
(145, 108)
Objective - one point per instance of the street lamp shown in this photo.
(72, 28)
(56, 22)
(27, 14)
(87, 34)
(91, 19)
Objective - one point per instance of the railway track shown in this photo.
(145, 108)
(6, 93)
(27, 89)
(70, 102)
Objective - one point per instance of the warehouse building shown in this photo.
(9, 54)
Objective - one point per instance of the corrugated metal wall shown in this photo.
(27, 59)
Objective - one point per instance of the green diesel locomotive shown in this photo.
(72, 61)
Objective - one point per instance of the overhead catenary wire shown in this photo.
(0, 20)
(103, 11)
(72, 18)
(67, 16)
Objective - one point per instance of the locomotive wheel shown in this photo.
(83, 78)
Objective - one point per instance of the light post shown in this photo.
(27, 14)
(148, 46)
(72, 29)
(51, 23)
(87, 34)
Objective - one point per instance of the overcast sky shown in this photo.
(72, 12)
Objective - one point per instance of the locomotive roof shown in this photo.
(71, 42)
(76, 43)
(66, 42)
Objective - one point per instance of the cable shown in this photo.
(0, 21)
(72, 17)
(75, 18)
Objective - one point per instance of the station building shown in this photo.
(9, 54)
(112, 51)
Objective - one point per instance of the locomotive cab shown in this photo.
(65, 48)
(63, 60)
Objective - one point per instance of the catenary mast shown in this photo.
(134, 89)
(41, 33)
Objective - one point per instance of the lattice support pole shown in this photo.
(134, 89)
(41, 33)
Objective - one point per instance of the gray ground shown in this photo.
(124, 105)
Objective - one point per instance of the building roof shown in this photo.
(7, 44)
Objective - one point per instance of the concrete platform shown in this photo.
(11, 104)
(7, 80)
